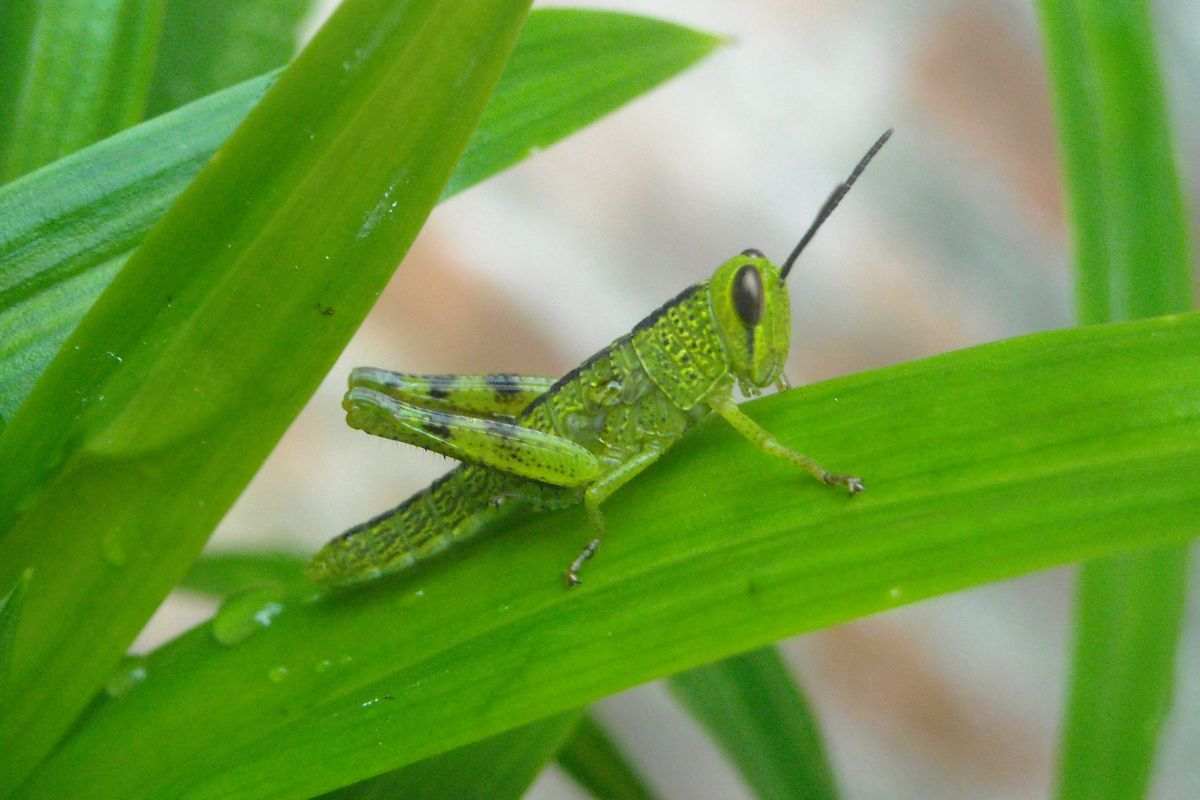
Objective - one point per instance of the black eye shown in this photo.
(748, 295)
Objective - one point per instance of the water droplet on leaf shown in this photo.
(244, 614)
(129, 674)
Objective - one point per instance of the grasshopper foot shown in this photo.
(572, 574)
(853, 485)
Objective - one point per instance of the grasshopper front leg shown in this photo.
(763, 440)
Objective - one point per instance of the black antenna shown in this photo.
(834, 198)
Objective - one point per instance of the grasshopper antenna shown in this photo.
(835, 197)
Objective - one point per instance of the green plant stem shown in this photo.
(1131, 255)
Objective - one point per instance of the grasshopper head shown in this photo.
(749, 298)
(749, 301)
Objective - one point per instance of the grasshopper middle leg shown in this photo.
(597, 493)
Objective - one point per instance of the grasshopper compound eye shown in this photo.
(748, 295)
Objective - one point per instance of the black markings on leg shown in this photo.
(504, 385)
(438, 425)
(501, 428)
(441, 386)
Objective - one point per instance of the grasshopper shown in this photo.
(548, 444)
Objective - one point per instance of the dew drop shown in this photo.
(324, 665)
(278, 674)
(130, 672)
(245, 613)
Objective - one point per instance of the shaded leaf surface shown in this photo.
(756, 713)
(71, 73)
(498, 768)
(590, 757)
(206, 47)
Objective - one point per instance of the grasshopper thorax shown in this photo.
(749, 303)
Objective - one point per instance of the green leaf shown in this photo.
(1127, 217)
(572, 67)
(10, 615)
(497, 768)
(756, 713)
(72, 72)
(176, 385)
(980, 465)
(207, 46)
(65, 230)
(596, 764)
(223, 574)
(1132, 260)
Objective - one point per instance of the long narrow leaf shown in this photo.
(499, 768)
(756, 713)
(1132, 260)
(66, 229)
(590, 757)
(181, 378)
(980, 465)
(71, 73)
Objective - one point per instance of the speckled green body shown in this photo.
(578, 439)
(530, 441)
(643, 389)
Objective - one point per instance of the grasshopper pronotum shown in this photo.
(552, 443)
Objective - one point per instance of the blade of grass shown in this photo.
(181, 378)
(1131, 253)
(590, 757)
(206, 47)
(71, 73)
(756, 713)
(10, 615)
(980, 465)
(499, 768)
(66, 229)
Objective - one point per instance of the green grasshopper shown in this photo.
(547, 444)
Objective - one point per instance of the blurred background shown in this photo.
(954, 237)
